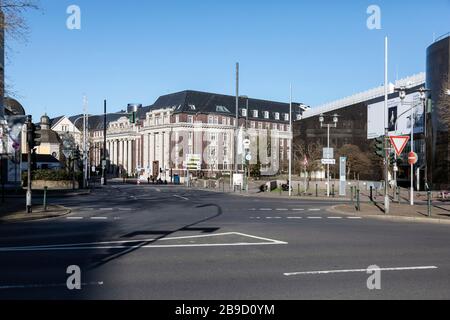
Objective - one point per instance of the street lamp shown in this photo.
(423, 98)
(246, 151)
(329, 126)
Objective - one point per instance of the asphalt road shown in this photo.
(165, 242)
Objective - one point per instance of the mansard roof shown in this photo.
(197, 102)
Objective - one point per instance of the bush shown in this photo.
(51, 175)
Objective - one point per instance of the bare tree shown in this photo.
(358, 162)
(14, 24)
(311, 152)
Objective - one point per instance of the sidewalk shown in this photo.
(13, 211)
(440, 212)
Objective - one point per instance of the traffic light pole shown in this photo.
(104, 182)
(386, 132)
(28, 200)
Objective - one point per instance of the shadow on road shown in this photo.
(113, 254)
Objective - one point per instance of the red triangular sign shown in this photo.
(399, 143)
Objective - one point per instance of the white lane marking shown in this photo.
(335, 218)
(74, 218)
(271, 218)
(354, 218)
(295, 218)
(314, 217)
(252, 209)
(106, 209)
(99, 218)
(358, 270)
(120, 244)
(265, 209)
(180, 197)
(31, 286)
(282, 210)
(313, 209)
(298, 209)
(125, 209)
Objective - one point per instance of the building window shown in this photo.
(253, 124)
(260, 125)
(266, 114)
(244, 112)
(255, 113)
(216, 120)
(286, 117)
(190, 119)
(277, 116)
(210, 120)
(177, 119)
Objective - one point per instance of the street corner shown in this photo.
(16, 214)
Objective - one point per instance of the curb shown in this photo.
(392, 218)
(66, 212)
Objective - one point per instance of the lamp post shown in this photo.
(329, 126)
(402, 93)
(247, 162)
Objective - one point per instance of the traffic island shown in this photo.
(440, 213)
(14, 212)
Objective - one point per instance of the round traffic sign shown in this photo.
(412, 158)
(248, 157)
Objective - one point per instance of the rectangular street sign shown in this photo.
(329, 161)
(328, 153)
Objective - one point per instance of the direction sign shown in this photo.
(413, 158)
(329, 161)
(328, 153)
(399, 143)
(247, 143)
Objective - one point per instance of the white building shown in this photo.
(194, 123)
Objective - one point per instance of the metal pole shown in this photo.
(104, 147)
(236, 168)
(386, 158)
(328, 166)
(45, 198)
(29, 204)
(291, 133)
(412, 150)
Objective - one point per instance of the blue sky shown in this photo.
(137, 50)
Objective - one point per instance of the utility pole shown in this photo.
(386, 131)
(104, 160)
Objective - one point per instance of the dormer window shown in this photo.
(277, 116)
(266, 114)
(286, 117)
(255, 113)
(244, 112)
(192, 107)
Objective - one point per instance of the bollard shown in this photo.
(358, 203)
(351, 194)
(45, 198)
(281, 189)
(332, 192)
(371, 193)
(317, 190)
(398, 195)
(429, 203)
(298, 193)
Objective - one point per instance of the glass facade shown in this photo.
(438, 117)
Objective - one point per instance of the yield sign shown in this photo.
(399, 143)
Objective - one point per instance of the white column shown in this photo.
(130, 158)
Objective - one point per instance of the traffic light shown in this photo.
(379, 147)
(133, 117)
(76, 154)
(34, 135)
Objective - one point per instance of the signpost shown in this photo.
(329, 161)
(399, 143)
(343, 176)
